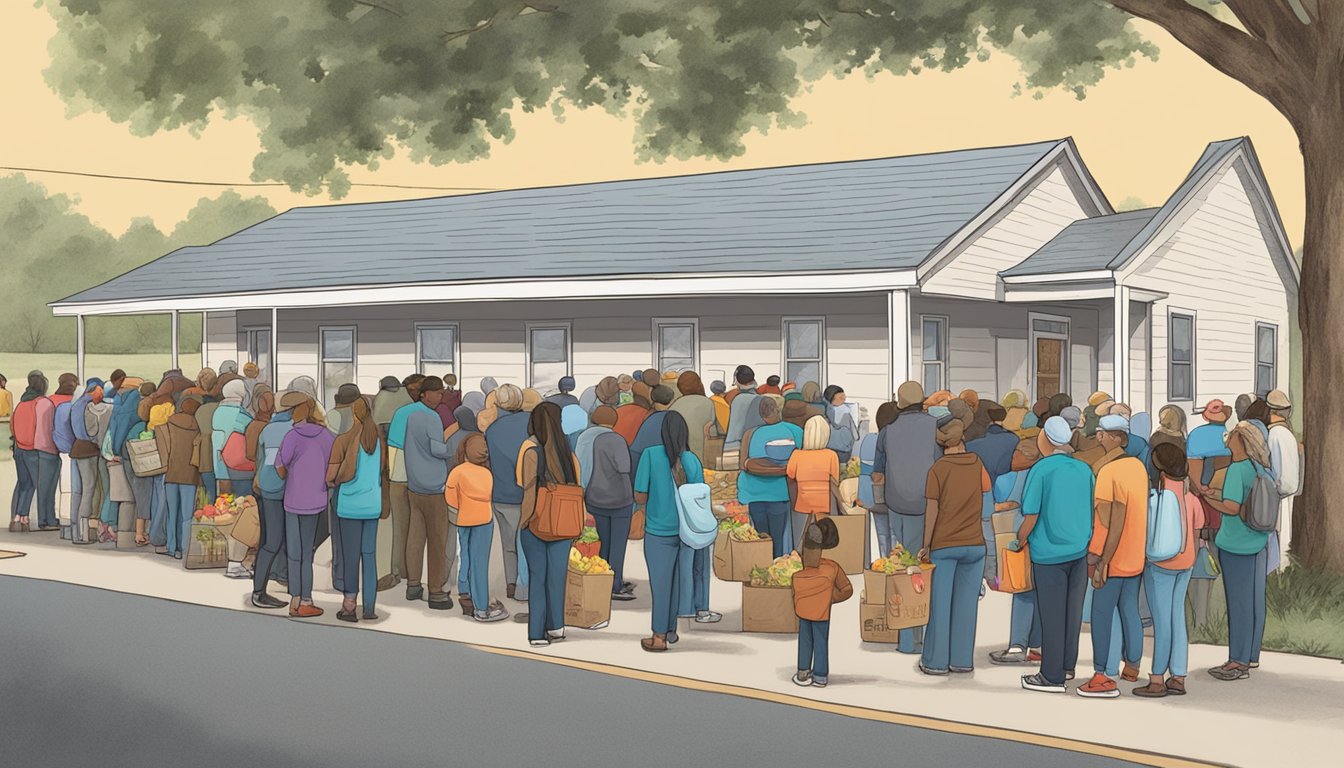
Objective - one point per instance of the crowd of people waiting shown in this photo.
(447, 467)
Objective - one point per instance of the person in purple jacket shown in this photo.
(302, 464)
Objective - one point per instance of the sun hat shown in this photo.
(1214, 411)
(347, 394)
(1113, 423)
(293, 399)
(1097, 398)
(1058, 431)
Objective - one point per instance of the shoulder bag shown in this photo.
(560, 509)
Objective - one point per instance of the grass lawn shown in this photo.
(1304, 613)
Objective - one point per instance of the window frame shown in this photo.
(251, 332)
(540, 325)
(1193, 317)
(657, 339)
(1273, 364)
(322, 356)
(784, 358)
(944, 335)
(457, 346)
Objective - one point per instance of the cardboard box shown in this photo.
(768, 609)
(906, 603)
(1008, 559)
(1003, 522)
(733, 560)
(873, 627)
(588, 599)
(246, 529)
(852, 554)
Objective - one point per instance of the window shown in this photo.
(804, 350)
(676, 344)
(436, 349)
(259, 351)
(933, 332)
(1266, 358)
(1181, 357)
(547, 355)
(338, 361)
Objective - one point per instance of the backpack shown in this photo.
(1166, 525)
(1260, 510)
(696, 524)
(560, 508)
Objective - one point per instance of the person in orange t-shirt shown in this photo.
(820, 584)
(1116, 556)
(814, 477)
(468, 490)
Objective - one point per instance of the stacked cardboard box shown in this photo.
(733, 560)
(768, 609)
(902, 599)
(588, 599)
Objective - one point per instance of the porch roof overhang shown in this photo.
(504, 289)
(1069, 286)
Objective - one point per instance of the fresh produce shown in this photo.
(779, 573)
(736, 520)
(225, 509)
(589, 535)
(589, 543)
(587, 564)
(745, 533)
(900, 560)
(850, 469)
(147, 435)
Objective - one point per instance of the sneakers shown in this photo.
(555, 634)
(622, 596)
(673, 637)
(1099, 687)
(238, 571)
(818, 681)
(961, 670)
(1033, 657)
(627, 588)
(542, 643)
(1231, 671)
(933, 672)
(495, 613)
(440, 602)
(1037, 682)
(1013, 655)
(803, 678)
(708, 617)
(267, 600)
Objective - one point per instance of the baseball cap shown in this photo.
(1058, 431)
(1113, 423)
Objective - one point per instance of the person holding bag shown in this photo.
(814, 478)
(608, 493)
(355, 470)
(552, 517)
(302, 463)
(819, 585)
(697, 526)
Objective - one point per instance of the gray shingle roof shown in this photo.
(1085, 245)
(869, 214)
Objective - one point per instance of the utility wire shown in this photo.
(229, 184)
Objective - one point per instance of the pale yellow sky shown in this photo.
(1139, 132)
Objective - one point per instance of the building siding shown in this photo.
(221, 338)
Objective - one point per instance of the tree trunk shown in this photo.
(1318, 524)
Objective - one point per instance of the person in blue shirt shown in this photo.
(1057, 526)
(269, 488)
(399, 497)
(1204, 447)
(762, 485)
(660, 470)
(504, 438)
(358, 455)
(995, 449)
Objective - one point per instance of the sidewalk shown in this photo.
(1291, 703)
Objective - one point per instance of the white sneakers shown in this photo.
(238, 571)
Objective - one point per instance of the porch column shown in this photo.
(79, 347)
(898, 339)
(274, 373)
(176, 322)
(1120, 344)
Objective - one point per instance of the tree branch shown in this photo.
(382, 5)
(449, 37)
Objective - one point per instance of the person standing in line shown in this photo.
(504, 439)
(89, 422)
(564, 392)
(452, 400)
(390, 397)
(901, 466)
(205, 421)
(179, 443)
(1024, 621)
(844, 430)
(651, 429)
(813, 474)
(1057, 526)
(1170, 427)
(740, 407)
(872, 496)
(820, 584)
(694, 566)
(548, 461)
(1207, 454)
(6, 399)
(340, 421)
(995, 447)
(462, 428)
(954, 543)
(23, 425)
(269, 486)
(398, 497)
(1116, 557)
(355, 473)
(48, 459)
(63, 435)
(762, 484)
(227, 419)
(302, 463)
(1285, 460)
(605, 472)
(721, 407)
(468, 492)
(630, 416)
(426, 457)
(1165, 582)
(697, 410)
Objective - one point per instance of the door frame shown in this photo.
(250, 332)
(1064, 352)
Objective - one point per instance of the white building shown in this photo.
(991, 269)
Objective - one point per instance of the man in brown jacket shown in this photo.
(179, 444)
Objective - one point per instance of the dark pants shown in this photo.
(272, 541)
(613, 528)
(181, 506)
(547, 562)
(359, 539)
(1119, 593)
(300, 541)
(210, 486)
(25, 462)
(814, 638)
(48, 480)
(1244, 587)
(338, 549)
(772, 518)
(661, 555)
(1060, 589)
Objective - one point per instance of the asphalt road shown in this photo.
(97, 678)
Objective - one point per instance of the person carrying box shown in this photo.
(820, 584)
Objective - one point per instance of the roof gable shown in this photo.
(1086, 245)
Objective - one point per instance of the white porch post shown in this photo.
(1120, 344)
(898, 336)
(205, 334)
(274, 373)
(79, 347)
(175, 320)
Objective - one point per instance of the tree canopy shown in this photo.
(335, 83)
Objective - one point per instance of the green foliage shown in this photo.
(333, 83)
(1304, 613)
(51, 251)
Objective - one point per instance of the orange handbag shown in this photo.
(637, 526)
(560, 509)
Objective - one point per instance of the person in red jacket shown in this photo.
(816, 587)
(33, 410)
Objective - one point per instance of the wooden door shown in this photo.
(1049, 366)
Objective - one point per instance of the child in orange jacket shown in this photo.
(820, 584)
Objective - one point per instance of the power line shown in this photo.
(188, 182)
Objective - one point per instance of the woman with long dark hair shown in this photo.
(356, 471)
(549, 462)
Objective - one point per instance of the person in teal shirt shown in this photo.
(656, 481)
(1242, 552)
(358, 454)
(762, 485)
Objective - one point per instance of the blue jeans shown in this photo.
(693, 569)
(25, 463)
(1261, 572)
(909, 531)
(181, 506)
(300, 539)
(772, 518)
(158, 513)
(1166, 596)
(48, 481)
(882, 522)
(661, 555)
(1113, 655)
(955, 596)
(1024, 624)
(520, 592)
(1119, 593)
(613, 528)
(210, 486)
(547, 562)
(1244, 587)
(272, 542)
(814, 651)
(473, 567)
(359, 539)
(1060, 588)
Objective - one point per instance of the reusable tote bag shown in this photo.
(696, 524)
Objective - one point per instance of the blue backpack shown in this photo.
(696, 525)
(1166, 525)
